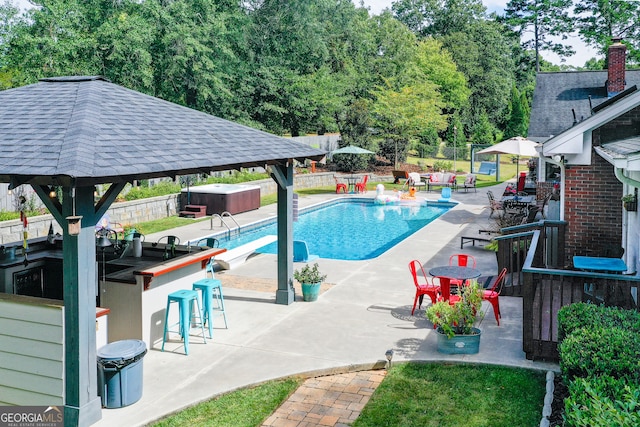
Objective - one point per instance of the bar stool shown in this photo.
(185, 299)
(213, 300)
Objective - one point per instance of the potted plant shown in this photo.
(630, 202)
(454, 323)
(310, 278)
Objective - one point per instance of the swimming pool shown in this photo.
(347, 229)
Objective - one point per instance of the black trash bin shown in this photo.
(120, 372)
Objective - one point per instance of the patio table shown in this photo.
(599, 264)
(352, 181)
(455, 272)
(519, 199)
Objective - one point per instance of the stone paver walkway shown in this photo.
(334, 400)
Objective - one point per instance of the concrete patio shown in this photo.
(365, 312)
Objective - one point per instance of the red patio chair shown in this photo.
(463, 260)
(493, 293)
(361, 187)
(422, 288)
(340, 185)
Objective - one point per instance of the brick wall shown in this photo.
(616, 62)
(592, 208)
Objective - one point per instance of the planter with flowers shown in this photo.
(455, 323)
(630, 202)
(310, 279)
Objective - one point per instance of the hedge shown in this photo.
(602, 402)
(584, 315)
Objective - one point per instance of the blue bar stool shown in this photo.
(213, 300)
(185, 299)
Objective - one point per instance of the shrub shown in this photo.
(442, 165)
(584, 315)
(602, 402)
(594, 351)
(161, 189)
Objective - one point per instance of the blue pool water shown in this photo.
(350, 229)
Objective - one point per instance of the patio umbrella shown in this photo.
(517, 146)
(351, 149)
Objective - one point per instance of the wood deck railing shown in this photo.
(546, 286)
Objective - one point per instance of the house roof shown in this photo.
(87, 130)
(575, 143)
(558, 95)
(623, 154)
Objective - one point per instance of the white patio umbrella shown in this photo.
(518, 146)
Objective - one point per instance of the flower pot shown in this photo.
(310, 291)
(459, 344)
(631, 206)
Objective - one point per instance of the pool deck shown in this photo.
(365, 312)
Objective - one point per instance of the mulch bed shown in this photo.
(259, 284)
(560, 392)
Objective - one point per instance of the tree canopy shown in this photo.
(406, 76)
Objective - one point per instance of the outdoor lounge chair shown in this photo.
(470, 182)
(416, 181)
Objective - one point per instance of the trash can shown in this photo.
(120, 372)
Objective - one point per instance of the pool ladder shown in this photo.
(225, 214)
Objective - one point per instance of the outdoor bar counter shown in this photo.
(135, 290)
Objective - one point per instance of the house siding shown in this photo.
(31, 352)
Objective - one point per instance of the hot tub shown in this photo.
(219, 198)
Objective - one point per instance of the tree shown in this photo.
(404, 113)
(518, 122)
(434, 63)
(484, 53)
(437, 17)
(197, 54)
(546, 20)
(54, 40)
(599, 21)
(482, 131)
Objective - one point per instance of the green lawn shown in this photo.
(412, 394)
(453, 395)
(247, 407)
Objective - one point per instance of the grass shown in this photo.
(162, 224)
(247, 407)
(411, 394)
(452, 395)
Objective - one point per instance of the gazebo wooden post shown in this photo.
(283, 176)
(82, 404)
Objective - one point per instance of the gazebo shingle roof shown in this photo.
(93, 131)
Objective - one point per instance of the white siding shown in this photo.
(31, 351)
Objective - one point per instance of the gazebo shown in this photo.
(73, 133)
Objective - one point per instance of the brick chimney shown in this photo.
(615, 65)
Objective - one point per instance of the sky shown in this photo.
(583, 53)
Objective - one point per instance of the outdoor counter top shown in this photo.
(124, 270)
